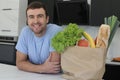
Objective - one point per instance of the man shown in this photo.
(34, 44)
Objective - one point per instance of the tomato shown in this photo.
(83, 42)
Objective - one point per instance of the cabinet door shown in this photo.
(8, 22)
(72, 12)
(103, 8)
(7, 4)
(9, 17)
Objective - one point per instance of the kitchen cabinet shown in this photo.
(12, 17)
(74, 11)
(112, 72)
(103, 8)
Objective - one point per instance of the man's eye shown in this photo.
(31, 17)
(40, 16)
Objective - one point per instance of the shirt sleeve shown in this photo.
(56, 30)
(21, 43)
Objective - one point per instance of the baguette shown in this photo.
(116, 59)
(103, 36)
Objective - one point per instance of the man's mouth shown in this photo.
(36, 26)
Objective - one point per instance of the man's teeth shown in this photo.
(36, 25)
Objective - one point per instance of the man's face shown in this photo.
(37, 20)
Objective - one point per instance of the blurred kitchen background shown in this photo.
(88, 14)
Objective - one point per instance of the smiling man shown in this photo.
(34, 44)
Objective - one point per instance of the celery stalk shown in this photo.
(113, 32)
(114, 21)
(105, 20)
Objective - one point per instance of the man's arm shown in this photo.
(23, 63)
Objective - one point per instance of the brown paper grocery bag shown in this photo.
(83, 63)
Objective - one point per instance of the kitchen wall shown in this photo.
(114, 49)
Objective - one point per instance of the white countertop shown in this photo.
(112, 63)
(10, 72)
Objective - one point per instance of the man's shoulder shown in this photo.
(25, 30)
(54, 27)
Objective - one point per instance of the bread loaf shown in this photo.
(116, 59)
(103, 36)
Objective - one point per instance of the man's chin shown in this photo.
(37, 32)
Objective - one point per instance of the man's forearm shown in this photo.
(27, 66)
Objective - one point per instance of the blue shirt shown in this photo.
(37, 48)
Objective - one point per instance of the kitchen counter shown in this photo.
(10, 72)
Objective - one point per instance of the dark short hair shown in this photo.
(36, 5)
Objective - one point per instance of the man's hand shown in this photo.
(51, 67)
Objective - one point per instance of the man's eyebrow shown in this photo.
(40, 14)
(30, 15)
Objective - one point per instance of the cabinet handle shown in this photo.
(5, 43)
(6, 9)
(6, 30)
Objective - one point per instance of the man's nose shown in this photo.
(36, 20)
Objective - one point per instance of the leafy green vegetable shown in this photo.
(113, 22)
(68, 37)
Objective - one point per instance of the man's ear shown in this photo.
(26, 22)
(47, 19)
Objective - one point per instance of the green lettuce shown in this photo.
(67, 37)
